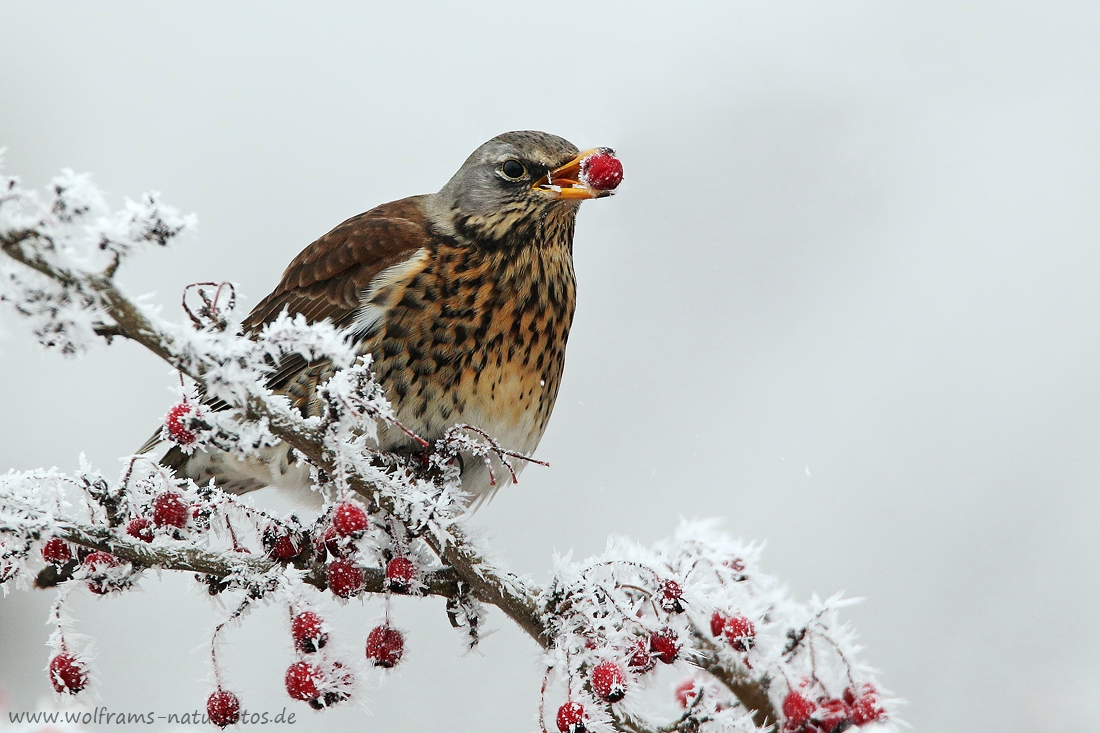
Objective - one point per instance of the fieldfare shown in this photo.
(463, 298)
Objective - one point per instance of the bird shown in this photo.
(463, 298)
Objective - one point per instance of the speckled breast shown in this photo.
(478, 337)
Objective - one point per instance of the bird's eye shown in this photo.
(513, 170)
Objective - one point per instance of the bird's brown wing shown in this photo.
(328, 278)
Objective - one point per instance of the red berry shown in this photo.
(863, 709)
(736, 564)
(670, 596)
(67, 674)
(302, 679)
(337, 688)
(56, 551)
(609, 681)
(833, 715)
(306, 628)
(602, 171)
(400, 573)
(175, 423)
(331, 542)
(666, 645)
(571, 717)
(717, 623)
(797, 709)
(686, 692)
(280, 544)
(345, 578)
(641, 659)
(349, 519)
(96, 563)
(169, 509)
(740, 633)
(385, 645)
(201, 514)
(223, 708)
(141, 528)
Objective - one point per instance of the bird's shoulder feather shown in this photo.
(328, 278)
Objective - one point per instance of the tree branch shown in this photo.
(517, 599)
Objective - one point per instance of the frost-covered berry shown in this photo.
(170, 510)
(665, 644)
(280, 544)
(717, 623)
(331, 542)
(339, 686)
(175, 424)
(740, 633)
(400, 573)
(302, 681)
(349, 519)
(609, 681)
(141, 528)
(223, 708)
(200, 515)
(686, 692)
(671, 592)
(865, 708)
(345, 578)
(385, 645)
(797, 709)
(308, 632)
(571, 717)
(67, 674)
(56, 551)
(96, 563)
(602, 171)
(832, 715)
(641, 658)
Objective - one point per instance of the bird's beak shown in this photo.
(565, 181)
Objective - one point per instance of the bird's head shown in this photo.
(514, 184)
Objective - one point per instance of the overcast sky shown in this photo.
(848, 299)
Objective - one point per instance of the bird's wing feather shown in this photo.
(327, 280)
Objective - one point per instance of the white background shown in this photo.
(848, 299)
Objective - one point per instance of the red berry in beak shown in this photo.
(602, 171)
